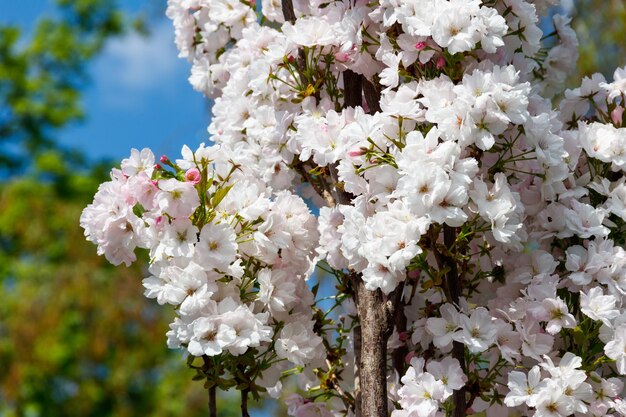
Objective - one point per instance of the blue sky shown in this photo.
(139, 95)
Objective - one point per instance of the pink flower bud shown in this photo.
(403, 336)
(408, 357)
(414, 273)
(192, 175)
(164, 159)
(356, 153)
(441, 62)
(616, 116)
(342, 56)
(420, 45)
(157, 167)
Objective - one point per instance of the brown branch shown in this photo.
(372, 96)
(244, 402)
(213, 401)
(453, 282)
(372, 333)
(451, 285)
(353, 86)
(322, 188)
(356, 334)
(397, 318)
(206, 368)
(288, 13)
(352, 83)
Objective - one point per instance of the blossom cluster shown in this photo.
(230, 256)
(447, 182)
(423, 391)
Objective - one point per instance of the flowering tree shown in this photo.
(474, 223)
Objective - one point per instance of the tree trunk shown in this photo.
(370, 336)
(373, 364)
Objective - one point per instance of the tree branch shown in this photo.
(353, 86)
(453, 281)
(244, 402)
(323, 189)
(213, 401)
(356, 335)
(372, 96)
(288, 12)
(398, 319)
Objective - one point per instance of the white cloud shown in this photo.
(137, 64)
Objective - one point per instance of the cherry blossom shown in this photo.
(424, 159)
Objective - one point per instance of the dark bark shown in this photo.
(453, 282)
(352, 97)
(212, 402)
(353, 87)
(244, 403)
(398, 358)
(352, 90)
(372, 96)
(288, 12)
(356, 334)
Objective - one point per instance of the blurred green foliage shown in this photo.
(600, 27)
(77, 337)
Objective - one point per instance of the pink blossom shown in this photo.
(193, 176)
(616, 116)
(441, 62)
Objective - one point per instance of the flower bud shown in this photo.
(192, 175)
(616, 116)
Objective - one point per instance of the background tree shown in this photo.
(66, 349)
(601, 34)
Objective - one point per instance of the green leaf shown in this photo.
(219, 195)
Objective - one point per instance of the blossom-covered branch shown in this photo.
(474, 231)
